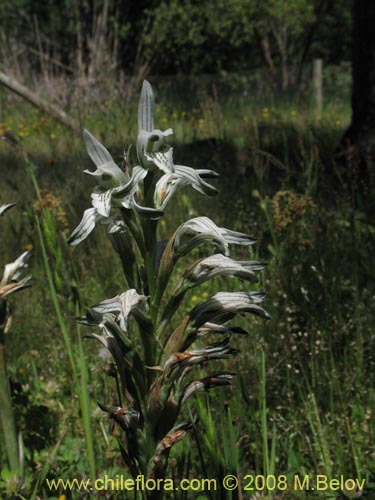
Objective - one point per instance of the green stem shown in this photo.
(6, 414)
(263, 410)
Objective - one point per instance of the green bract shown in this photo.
(157, 368)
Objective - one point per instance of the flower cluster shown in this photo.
(156, 365)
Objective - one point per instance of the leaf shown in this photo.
(165, 268)
(159, 250)
(159, 462)
(176, 339)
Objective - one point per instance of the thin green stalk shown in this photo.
(7, 414)
(263, 413)
(85, 406)
(318, 432)
(43, 474)
(354, 451)
(69, 348)
(60, 319)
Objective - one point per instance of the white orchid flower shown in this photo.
(149, 139)
(122, 306)
(224, 306)
(12, 279)
(205, 384)
(175, 175)
(114, 190)
(184, 359)
(220, 265)
(201, 229)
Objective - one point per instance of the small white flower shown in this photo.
(224, 306)
(220, 265)
(201, 229)
(175, 175)
(114, 190)
(122, 305)
(12, 279)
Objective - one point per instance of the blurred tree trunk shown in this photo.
(359, 139)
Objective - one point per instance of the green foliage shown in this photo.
(200, 36)
(83, 39)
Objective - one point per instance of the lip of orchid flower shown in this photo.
(122, 195)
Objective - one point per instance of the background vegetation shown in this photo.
(233, 81)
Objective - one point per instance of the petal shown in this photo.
(221, 265)
(4, 208)
(12, 270)
(191, 176)
(152, 213)
(236, 238)
(131, 187)
(225, 305)
(146, 108)
(85, 227)
(164, 190)
(102, 159)
(14, 287)
(196, 231)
